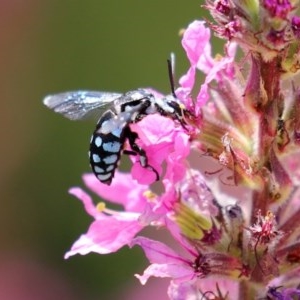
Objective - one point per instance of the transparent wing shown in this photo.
(80, 104)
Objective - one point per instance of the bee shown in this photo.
(117, 112)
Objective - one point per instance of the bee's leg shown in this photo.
(129, 152)
(136, 149)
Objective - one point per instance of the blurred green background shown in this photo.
(50, 46)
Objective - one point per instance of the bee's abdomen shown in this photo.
(105, 152)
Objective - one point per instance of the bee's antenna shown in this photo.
(171, 71)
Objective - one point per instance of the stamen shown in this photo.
(192, 224)
(150, 195)
(101, 206)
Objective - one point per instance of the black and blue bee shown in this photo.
(117, 112)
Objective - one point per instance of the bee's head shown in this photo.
(175, 109)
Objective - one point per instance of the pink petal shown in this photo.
(169, 197)
(224, 285)
(149, 131)
(202, 97)
(143, 175)
(176, 164)
(157, 142)
(155, 155)
(214, 73)
(187, 81)
(177, 272)
(184, 94)
(158, 252)
(174, 229)
(231, 49)
(149, 215)
(105, 236)
(123, 190)
(182, 145)
(184, 290)
(86, 200)
(195, 41)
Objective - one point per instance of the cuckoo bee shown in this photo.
(117, 112)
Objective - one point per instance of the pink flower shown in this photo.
(186, 272)
(165, 262)
(226, 195)
(165, 142)
(110, 230)
(196, 42)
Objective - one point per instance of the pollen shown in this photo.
(182, 106)
(101, 206)
(218, 57)
(181, 32)
(149, 195)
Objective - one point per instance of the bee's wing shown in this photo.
(80, 104)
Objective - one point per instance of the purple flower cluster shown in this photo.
(229, 181)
